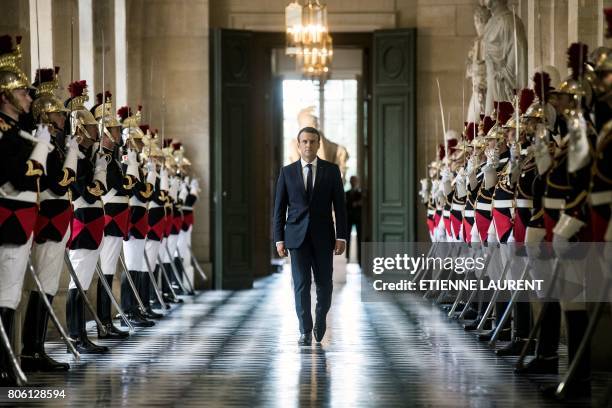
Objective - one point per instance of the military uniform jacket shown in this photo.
(87, 227)
(157, 213)
(55, 210)
(188, 210)
(116, 200)
(19, 177)
(600, 195)
(139, 225)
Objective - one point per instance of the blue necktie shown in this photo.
(309, 181)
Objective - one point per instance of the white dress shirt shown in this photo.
(305, 177)
(305, 171)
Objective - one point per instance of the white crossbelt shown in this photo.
(600, 197)
(524, 203)
(446, 213)
(553, 203)
(503, 203)
(483, 206)
(81, 203)
(457, 207)
(468, 213)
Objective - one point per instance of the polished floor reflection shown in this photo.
(239, 349)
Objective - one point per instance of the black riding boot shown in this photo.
(33, 356)
(75, 316)
(104, 312)
(7, 373)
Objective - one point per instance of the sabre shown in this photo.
(195, 263)
(133, 287)
(54, 318)
(109, 291)
(174, 271)
(77, 283)
(102, 129)
(21, 378)
(443, 122)
(155, 286)
(516, 74)
(491, 303)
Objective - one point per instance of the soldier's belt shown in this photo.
(503, 204)
(135, 202)
(50, 195)
(600, 198)
(483, 206)
(431, 212)
(113, 198)
(446, 213)
(457, 207)
(553, 203)
(468, 213)
(188, 208)
(524, 203)
(81, 203)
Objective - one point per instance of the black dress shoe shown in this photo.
(112, 332)
(573, 390)
(7, 379)
(137, 320)
(470, 314)
(31, 362)
(319, 331)
(150, 314)
(85, 346)
(515, 348)
(305, 339)
(540, 365)
(485, 336)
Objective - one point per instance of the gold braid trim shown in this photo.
(66, 180)
(95, 191)
(148, 192)
(581, 197)
(32, 170)
(130, 183)
(537, 215)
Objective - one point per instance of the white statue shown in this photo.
(475, 66)
(502, 78)
(328, 150)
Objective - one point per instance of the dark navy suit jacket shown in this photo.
(316, 215)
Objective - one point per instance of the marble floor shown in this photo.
(227, 348)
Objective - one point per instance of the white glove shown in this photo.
(72, 156)
(533, 239)
(41, 149)
(174, 187)
(578, 154)
(447, 177)
(100, 170)
(424, 193)
(151, 173)
(460, 184)
(540, 150)
(184, 192)
(490, 176)
(132, 164)
(164, 182)
(194, 186)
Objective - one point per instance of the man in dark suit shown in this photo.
(308, 188)
(353, 209)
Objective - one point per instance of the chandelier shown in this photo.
(308, 38)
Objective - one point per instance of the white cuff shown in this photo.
(39, 154)
(280, 242)
(72, 158)
(151, 177)
(132, 170)
(341, 239)
(100, 175)
(568, 226)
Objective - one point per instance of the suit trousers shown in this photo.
(311, 258)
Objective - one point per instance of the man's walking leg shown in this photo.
(322, 267)
(301, 264)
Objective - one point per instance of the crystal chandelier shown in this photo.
(308, 38)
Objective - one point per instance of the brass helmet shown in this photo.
(79, 115)
(45, 101)
(11, 76)
(503, 112)
(179, 156)
(525, 99)
(131, 126)
(104, 112)
(576, 83)
(151, 149)
(168, 152)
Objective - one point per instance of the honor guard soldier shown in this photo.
(51, 232)
(134, 243)
(23, 162)
(119, 185)
(87, 227)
